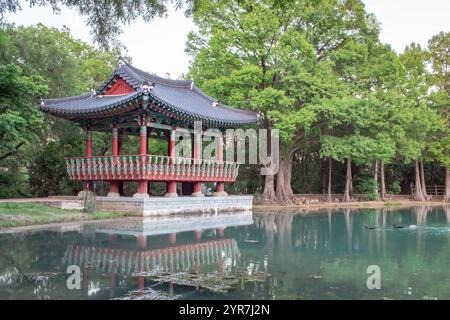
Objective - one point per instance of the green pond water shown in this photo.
(322, 254)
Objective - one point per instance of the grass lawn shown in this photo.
(21, 214)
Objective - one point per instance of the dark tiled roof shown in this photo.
(179, 96)
(86, 104)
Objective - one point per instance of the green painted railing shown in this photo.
(150, 167)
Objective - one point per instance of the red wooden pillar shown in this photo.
(198, 235)
(197, 155)
(220, 232)
(171, 185)
(142, 190)
(141, 283)
(219, 265)
(88, 185)
(88, 142)
(114, 184)
(172, 238)
(112, 239)
(220, 186)
(141, 259)
(85, 278)
(148, 152)
(119, 153)
(141, 242)
(119, 143)
(171, 268)
(112, 280)
(197, 267)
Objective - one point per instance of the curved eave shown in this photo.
(192, 116)
(53, 106)
(117, 106)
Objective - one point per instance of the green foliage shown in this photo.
(40, 61)
(315, 70)
(439, 59)
(106, 17)
(366, 187)
(48, 175)
(20, 123)
(395, 188)
(422, 125)
(278, 58)
(69, 66)
(356, 147)
(20, 119)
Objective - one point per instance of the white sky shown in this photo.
(402, 22)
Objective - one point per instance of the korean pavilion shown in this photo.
(134, 102)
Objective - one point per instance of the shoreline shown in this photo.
(63, 217)
(18, 214)
(67, 225)
(352, 205)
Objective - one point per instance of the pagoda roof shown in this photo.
(173, 98)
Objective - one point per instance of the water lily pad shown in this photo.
(215, 282)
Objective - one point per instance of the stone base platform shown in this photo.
(154, 206)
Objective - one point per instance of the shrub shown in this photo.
(367, 188)
(395, 188)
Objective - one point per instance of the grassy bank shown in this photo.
(22, 214)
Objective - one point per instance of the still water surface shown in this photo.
(320, 255)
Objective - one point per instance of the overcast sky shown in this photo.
(402, 22)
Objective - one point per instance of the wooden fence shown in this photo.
(433, 190)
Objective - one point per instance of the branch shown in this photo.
(23, 194)
(12, 152)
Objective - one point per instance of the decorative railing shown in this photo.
(177, 258)
(150, 167)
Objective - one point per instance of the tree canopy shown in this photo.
(105, 17)
(349, 109)
(37, 62)
(318, 73)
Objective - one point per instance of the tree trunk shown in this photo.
(351, 180)
(447, 185)
(305, 179)
(329, 198)
(418, 194)
(375, 177)
(288, 178)
(268, 195)
(348, 192)
(324, 176)
(382, 181)
(422, 180)
(284, 191)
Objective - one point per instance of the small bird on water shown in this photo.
(397, 226)
(370, 228)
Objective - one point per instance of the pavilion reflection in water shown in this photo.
(322, 255)
(157, 249)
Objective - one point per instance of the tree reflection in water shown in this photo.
(316, 254)
(330, 251)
